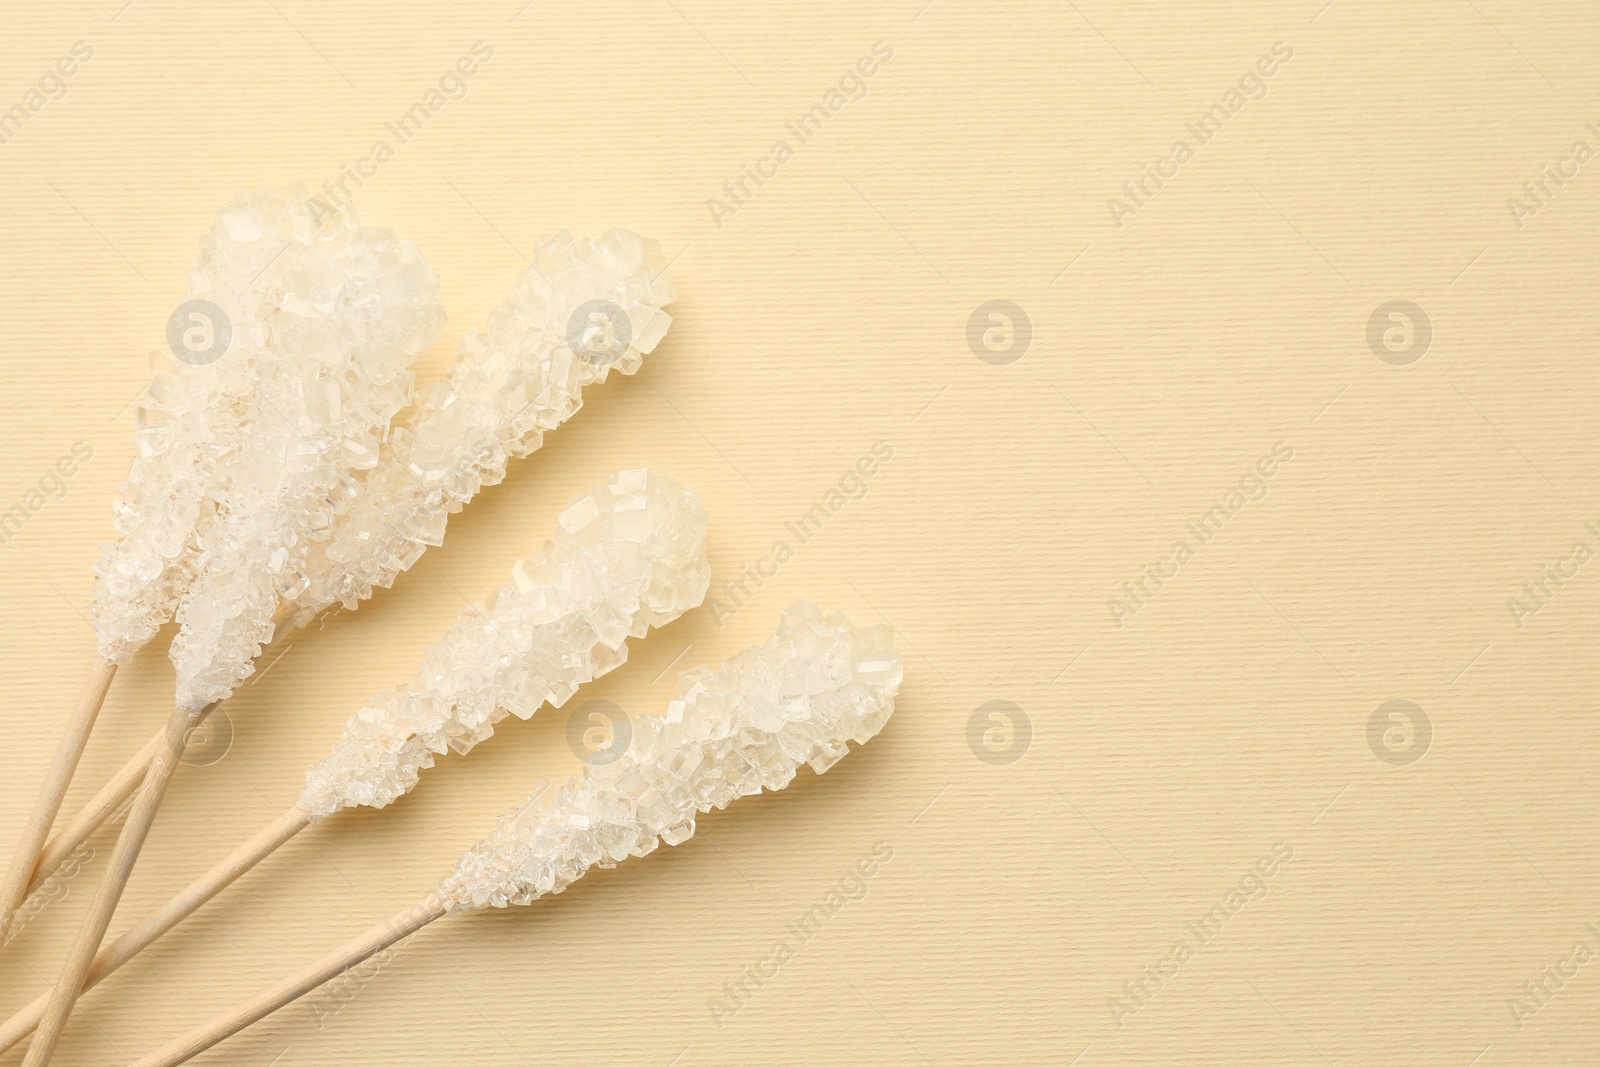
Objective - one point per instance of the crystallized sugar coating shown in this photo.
(626, 556)
(815, 684)
(189, 420)
(266, 263)
(508, 385)
(327, 318)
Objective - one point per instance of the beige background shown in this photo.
(1168, 755)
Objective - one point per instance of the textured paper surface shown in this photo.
(1165, 758)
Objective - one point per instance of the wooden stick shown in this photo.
(112, 796)
(117, 791)
(109, 892)
(180, 907)
(402, 924)
(16, 887)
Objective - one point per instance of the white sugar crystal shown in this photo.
(269, 483)
(816, 684)
(325, 317)
(640, 564)
(508, 385)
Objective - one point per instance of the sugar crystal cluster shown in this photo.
(814, 685)
(580, 310)
(268, 484)
(189, 420)
(327, 317)
(627, 556)
(324, 318)
(317, 306)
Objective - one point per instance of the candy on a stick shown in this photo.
(297, 315)
(628, 556)
(814, 686)
(580, 310)
(315, 378)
